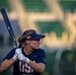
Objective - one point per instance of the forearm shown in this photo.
(6, 64)
(39, 67)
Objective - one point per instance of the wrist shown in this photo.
(27, 60)
(21, 57)
(15, 57)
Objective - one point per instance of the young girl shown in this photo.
(28, 59)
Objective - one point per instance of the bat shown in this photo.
(8, 25)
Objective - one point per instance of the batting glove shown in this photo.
(15, 57)
(17, 52)
(22, 58)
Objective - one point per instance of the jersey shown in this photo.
(21, 68)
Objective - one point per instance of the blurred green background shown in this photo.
(54, 18)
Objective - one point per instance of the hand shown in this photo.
(17, 52)
(22, 58)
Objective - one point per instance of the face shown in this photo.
(34, 43)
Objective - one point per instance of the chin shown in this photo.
(37, 48)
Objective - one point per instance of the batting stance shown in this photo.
(28, 59)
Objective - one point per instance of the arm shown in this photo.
(9, 60)
(6, 64)
(41, 63)
(39, 67)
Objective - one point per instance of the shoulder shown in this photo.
(40, 51)
(13, 50)
(10, 54)
(16, 49)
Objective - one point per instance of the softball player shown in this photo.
(28, 59)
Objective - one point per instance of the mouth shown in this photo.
(38, 45)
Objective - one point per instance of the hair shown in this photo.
(24, 35)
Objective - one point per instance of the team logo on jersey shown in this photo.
(25, 68)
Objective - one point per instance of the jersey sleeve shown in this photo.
(42, 57)
(10, 54)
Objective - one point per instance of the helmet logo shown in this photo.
(28, 37)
